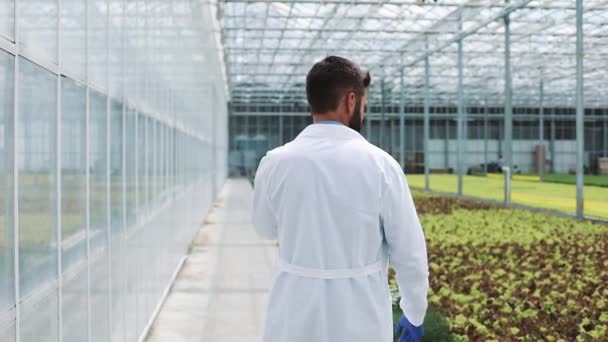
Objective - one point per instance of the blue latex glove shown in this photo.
(407, 331)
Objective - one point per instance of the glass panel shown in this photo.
(115, 63)
(7, 19)
(73, 210)
(38, 27)
(116, 168)
(142, 125)
(98, 42)
(98, 165)
(131, 251)
(73, 36)
(37, 235)
(73, 172)
(161, 160)
(7, 274)
(151, 159)
(117, 222)
(130, 159)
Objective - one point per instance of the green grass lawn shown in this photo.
(547, 195)
(589, 180)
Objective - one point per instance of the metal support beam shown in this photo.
(392, 135)
(580, 110)
(485, 138)
(281, 138)
(427, 113)
(402, 121)
(382, 137)
(15, 186)
(58, 165)
(368, 120)
(552, 142)
(605, 137)
(460, 120)
(541, 131)
(508, 144)
(446, 147)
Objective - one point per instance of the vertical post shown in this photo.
(58, 180)
(580, 110)
(605, 136)
(541, 131)
(500, 137)
(508, 144)
(552, 142)
(401, 120)
(382, 136)
(446, 147)
(414, 141)
(460, 120)
(485, 137)
(214, 143)
(87, 169)
(281, 138)
(427, 113)
(368, 117)
(108, 175)
(15, 155)
(391, 134)
(593, 148)
(247, 140)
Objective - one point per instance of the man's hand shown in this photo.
(408, 332)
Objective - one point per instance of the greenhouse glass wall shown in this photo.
(112, 146)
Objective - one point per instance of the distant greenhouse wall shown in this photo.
(113, 144)
(254, 130)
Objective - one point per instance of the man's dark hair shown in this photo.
(332, 78)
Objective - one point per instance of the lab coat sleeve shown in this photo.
(263, 215)
(406, 244)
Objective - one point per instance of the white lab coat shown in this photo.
(335, 202)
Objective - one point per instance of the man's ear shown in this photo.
(351, 102)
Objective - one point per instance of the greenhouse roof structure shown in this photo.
(270, 45)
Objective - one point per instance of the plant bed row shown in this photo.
(508, 274)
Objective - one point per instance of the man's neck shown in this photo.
(329, 117)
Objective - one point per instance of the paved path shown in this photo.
(220, 295)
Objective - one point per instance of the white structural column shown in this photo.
(87, 166)
(552, 141)
(382, 138)
(460, 120)
(368, 117)
(402, 120)
(427, 114)
(281, 128)
(508, 148)
(58, 148)
(541, 130)
(446, 144)
(15, 152)
(485, 137)
(580, 110)
(605, 136)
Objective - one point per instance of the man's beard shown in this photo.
(355, 120)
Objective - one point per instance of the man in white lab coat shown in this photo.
(341, 209)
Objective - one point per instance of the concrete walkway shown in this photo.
(220, 295)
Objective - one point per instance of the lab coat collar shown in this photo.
(330, 131)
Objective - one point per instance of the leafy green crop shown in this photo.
(508, 274)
